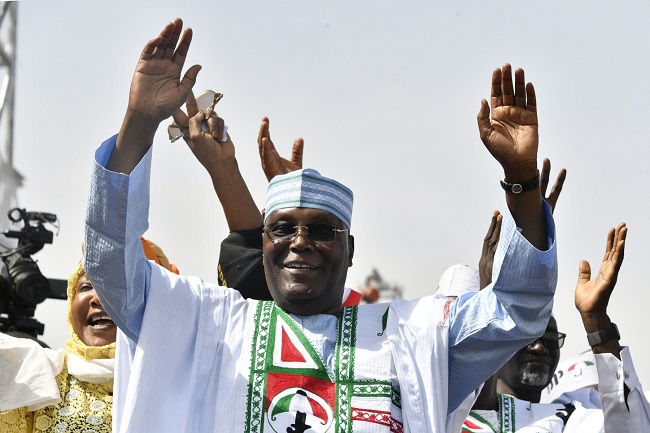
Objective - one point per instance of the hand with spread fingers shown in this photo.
(554, 195)
(272, 163)
(511, 134)
(157, 92)
(592, 295)
(157, 89)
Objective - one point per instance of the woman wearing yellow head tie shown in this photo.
(69, 390)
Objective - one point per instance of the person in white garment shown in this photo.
(71, 389)
(616, 405)
(205, 359)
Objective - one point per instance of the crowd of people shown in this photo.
(280, 343)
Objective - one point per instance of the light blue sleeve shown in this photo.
(488, 327)
(116, 217)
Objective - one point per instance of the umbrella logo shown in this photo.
(576, 369)
(296, 410)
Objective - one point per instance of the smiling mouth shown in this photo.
(101, 323)
(299, 266)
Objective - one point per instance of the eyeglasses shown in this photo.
(284, 232)
(206, 102)
(553, 342)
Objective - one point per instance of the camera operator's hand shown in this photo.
(157, 92)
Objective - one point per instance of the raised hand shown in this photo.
(490, 243)
(511, 134)
(157, 89)
(157, 92)
(552, 198)
(218, 157)
(592, 295)
(207, 147)
(272, 163)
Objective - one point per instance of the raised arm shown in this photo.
(487, 398)
(625, 407)
(240, 259)
(157, 92)
(486, 328)
(118, 203)
(592, 295)
(218, 158)
(511, 136)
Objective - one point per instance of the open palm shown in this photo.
(157, 90)
(511, 133)
(592, 295)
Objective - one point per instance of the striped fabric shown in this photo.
(307, 188)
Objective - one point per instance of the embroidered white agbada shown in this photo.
(576, 410)
(202, 359)
(520, 416)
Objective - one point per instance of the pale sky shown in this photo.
(385, 95)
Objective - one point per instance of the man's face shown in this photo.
(304, 276)
(532, 367)
(89, 320)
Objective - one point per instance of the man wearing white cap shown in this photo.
(206, 360)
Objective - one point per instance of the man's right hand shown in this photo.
(157, 92)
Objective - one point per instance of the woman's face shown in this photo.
(89, 320)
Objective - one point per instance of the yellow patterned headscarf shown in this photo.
(74, 344)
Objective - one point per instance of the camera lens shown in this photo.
(29, 285)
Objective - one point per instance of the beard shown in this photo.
(536, 378)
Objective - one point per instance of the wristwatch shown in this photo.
(600, 337)
(517, 188)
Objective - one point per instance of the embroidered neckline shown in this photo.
(506, 413)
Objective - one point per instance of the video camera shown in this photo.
(22, 285)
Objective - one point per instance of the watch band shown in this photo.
(518, 188)
(604, 336)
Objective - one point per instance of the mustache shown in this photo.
(544, 359)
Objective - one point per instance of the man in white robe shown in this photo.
(204, 359)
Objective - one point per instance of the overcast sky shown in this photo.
(385, 95)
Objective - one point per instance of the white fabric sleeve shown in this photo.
(613, 375)
(28, 374)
